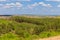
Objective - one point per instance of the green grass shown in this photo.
(48, 34)
(9, 36)
(23, 28)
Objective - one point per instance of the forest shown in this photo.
(24, 28)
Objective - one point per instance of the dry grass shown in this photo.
(51, 38)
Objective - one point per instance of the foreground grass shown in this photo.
(9, 36)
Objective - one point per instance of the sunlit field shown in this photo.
(26, 28)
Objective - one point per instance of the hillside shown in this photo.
(28, 28)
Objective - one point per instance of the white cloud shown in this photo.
(33, 5)
(6, 6)
(39, 4)
(14, 0)
(10, 5)
(23, 0)
(43, 4)
(18, 4)
(53, 0)
(58, 6)
(3, 0)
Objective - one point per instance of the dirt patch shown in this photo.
(51, 38)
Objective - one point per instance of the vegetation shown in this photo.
(24, 28)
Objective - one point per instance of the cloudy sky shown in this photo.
(36, 7)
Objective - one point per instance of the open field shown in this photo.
(29, 28)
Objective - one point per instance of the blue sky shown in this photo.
(36, 7)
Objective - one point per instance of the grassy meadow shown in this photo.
(26, 28)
